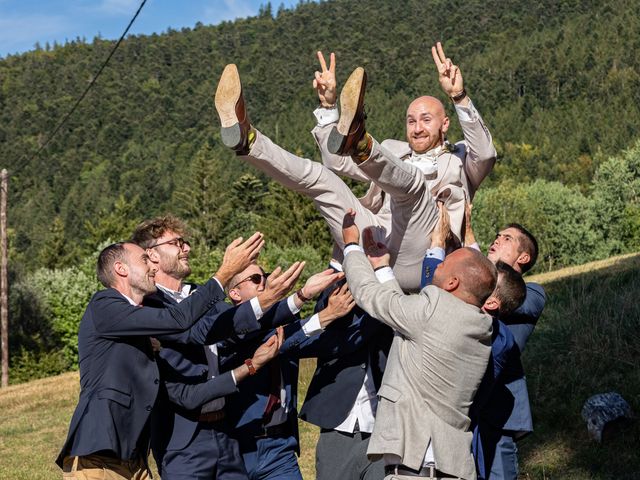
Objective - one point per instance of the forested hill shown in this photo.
(556, 80)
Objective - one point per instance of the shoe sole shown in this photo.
(349, 99)
(227, 96)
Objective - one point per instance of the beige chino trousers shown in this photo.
(97, 467)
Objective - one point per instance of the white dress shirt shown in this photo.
(366, 403)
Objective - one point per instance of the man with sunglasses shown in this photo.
(264, 411)
(193, 443)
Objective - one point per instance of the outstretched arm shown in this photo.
(384, 301)
(325, 84)
(194, 395)
(481, 154)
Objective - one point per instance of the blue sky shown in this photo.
(25, 22)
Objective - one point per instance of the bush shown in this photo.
(47, 306)
(30, 365)
(616, 200)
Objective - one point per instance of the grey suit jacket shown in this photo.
(438, 357)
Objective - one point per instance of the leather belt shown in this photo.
(211, 417)
(276, 431)
(426, 472)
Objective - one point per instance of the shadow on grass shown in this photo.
(586, 342)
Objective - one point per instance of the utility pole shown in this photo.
(4, 283)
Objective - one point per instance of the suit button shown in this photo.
(363, 366)
(156, 381)
(149, 408)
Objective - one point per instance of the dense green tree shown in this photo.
(557, 83)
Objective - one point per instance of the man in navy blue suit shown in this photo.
(190, 439)
(119, 378)
(500, 425)
(341, 398)
(506, 414)
(264, 412)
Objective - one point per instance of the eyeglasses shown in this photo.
(255, 278)
(176, 242)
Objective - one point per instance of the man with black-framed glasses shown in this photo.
(193, 442)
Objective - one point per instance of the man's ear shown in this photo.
(523, 259)
(234, 295)
(451, 283)
(121, 269)
(492, 304)
(445, 125)
(153, 255)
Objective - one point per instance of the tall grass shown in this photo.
(587, 342)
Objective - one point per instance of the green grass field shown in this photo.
(586, 342)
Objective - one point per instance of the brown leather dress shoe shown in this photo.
(345, 136)
(235, 123)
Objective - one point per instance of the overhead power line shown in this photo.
(84, 93)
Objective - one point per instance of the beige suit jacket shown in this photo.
(438, 357)
(460, 172)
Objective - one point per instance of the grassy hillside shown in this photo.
(586, 342)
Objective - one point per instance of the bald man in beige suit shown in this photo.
(439, 355)
(407, 216)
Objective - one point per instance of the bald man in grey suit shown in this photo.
(438, 357)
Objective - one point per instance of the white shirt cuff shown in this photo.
(257, 309)
(475, 246)
(311, 326)
(233, 375)
(218, 281)
(326, 116)
(352, 248)
(435, 252)
(336, 265)
(384, 274)
(291, 303)
(467, 113)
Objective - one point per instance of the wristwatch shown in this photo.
(249, 364)
(459, 96)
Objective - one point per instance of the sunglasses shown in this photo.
(256, 278)
(176, 242)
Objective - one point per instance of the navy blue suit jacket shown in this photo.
(175, 420)
(513, 386)
(119, 377)
(245, 410)
(344, 351)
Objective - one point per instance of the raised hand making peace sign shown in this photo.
(325, 81)
(449, 74)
